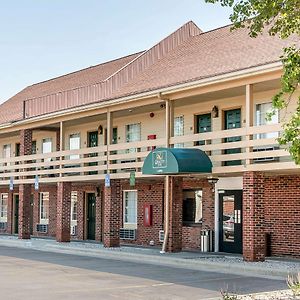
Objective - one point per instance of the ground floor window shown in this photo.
(130, 209)
(192, 207)
(74, 212)
(3, 207)
(44, 208)
(74, 206)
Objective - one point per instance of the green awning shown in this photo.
(176, 161)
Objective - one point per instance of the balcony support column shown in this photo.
(175, 214)
(112, 213)
(60, 144)
(249, 117)
(254, 244)
(25, 189)
(63, 208)
(109, 136)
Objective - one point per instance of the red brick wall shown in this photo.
(253, 216)
(148, 193)
(208, 200)
(282, 214)
(191, 237)
(63, 211)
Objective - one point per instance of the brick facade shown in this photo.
(253, 217)
(270, 205)
(63, 212)
(175, 225)
(112, 209)
(282, 214)
(24, 211)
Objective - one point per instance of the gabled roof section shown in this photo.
(12, 109)
(92, 84)
(209, 54)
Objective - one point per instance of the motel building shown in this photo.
(166, 148)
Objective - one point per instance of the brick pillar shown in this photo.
(112, 205)
(10, 212)
(63, 211)
(253, 217)
(25, 189)
(24, 211)
(175, 225)
(25, 142)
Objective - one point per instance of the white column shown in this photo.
(249, 117)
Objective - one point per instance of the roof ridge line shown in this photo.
(90, 67)
(148, 50)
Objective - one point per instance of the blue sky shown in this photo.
(42, 39)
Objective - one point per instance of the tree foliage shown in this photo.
(282, 18)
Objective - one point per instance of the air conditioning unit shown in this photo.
(161, 235)
(127, 234)
(74, 230)
(3, 225)
(265, 159)
(43, 228)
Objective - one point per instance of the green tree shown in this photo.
(282, 18)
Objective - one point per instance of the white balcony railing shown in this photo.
(246, 153)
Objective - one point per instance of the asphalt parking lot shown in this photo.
(31, 274)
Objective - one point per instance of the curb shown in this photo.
(162, 260)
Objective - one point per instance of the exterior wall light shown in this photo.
(212, 180)
(215, 112)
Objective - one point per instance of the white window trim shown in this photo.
(74, 222)
(75, 156)
(4, 218)
(126, 224)
(42, 220)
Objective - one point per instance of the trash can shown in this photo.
(206, 240)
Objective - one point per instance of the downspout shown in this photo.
(167, 179)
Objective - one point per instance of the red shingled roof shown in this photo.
(197, 55)
(12, 109)
(206, 55)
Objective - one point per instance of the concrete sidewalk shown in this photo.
(233, 264)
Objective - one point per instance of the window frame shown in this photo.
(181, 127)
(3, 212)
(43, 220)
(192, 223)
(130, 224)
(75, 135)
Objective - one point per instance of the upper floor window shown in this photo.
(6, 151)
(74, 141)
(179, 129)
(44, 208)
(262, 111)
(47, 147)
(3, 207)
(130, 208)
(133, 134)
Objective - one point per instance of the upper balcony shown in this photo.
(234, 135)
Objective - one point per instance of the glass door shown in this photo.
(230, 221)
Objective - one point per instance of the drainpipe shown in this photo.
(167, 179)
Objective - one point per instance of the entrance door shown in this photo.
(91, 216)
(230, 221)
(232, 121)
(203, 125)
(16, 214)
